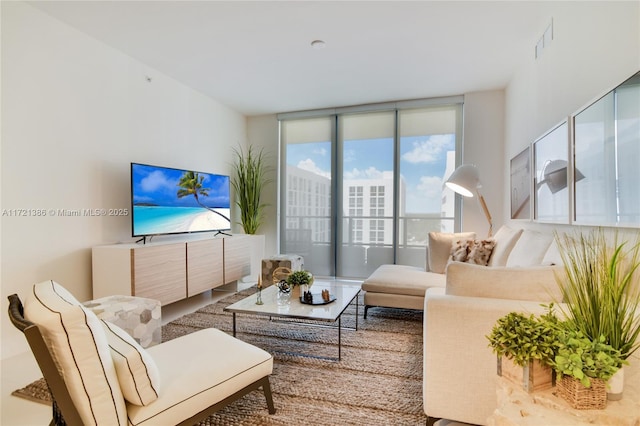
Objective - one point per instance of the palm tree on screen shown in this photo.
(192, 183)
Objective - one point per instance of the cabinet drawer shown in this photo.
(204, 265)
(159, 272)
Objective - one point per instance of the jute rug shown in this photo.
(377, 382)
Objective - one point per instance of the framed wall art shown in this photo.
(521, 185)
(551, 183)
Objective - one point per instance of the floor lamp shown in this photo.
(465, 180)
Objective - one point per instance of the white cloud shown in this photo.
(310, 166)
(427, 197)
(320, 151)
(349, 155)
(156, 180)
(430, 185)
(370, 173)
(429, 150)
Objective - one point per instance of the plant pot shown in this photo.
(615, 386)
(532, 377)
(582, 398)
(296, 292)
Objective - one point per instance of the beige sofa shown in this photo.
(400, 286)
(459, 369)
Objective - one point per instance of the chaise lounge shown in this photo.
(99, 375)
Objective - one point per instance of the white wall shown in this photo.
(75, 113)
(483, 146)
(596, 46)
(263, 133)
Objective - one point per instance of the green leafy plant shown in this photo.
(598, 288)
(248, 182)
(300, 278)
(524, 338)
(585, 359)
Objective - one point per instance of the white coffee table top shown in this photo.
(290, 307)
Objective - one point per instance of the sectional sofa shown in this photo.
(401, 286)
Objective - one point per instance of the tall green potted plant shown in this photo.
(601, 292)
(249, 181)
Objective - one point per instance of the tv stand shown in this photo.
(223, 233)
(169, 271)
(144, 240)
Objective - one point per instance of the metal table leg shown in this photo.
(340, 338)
(234, 324)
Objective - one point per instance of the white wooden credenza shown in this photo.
(172, 270)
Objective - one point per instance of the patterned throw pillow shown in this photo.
(460, 250)
(481, 252)
(477, 252)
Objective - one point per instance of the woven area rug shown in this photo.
(377, 382)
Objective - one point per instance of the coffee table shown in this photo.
(275, 305)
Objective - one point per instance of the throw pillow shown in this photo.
(460, 250)
(505, 240)
(530, 249)
(79, 347)
(137, 372)
(481, 252)
(439, 250)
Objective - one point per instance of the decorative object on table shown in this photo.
(300, 279)
(280, 274)
(292, 262)
(310, 298)
(325, 295)
(525, 346)
(259, 292)
(307, 297)
(283, 287)
(248, 182)
(598, 289)
(584, 366)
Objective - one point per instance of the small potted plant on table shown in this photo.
(299, 279)
(584, 366)
(525, 346)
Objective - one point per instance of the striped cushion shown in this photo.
(137, 372)
(79, 347)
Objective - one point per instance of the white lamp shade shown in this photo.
(464, 180)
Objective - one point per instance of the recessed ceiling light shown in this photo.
(318, 44)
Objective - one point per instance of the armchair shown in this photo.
(99, 375)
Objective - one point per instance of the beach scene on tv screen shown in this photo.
(169, 201)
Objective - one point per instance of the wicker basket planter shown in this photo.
(580, 397)
(532, 377)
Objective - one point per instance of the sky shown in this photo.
(159, 185)
(422, 164)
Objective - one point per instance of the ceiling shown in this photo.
(256, 57)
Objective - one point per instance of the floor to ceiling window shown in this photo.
(361, 187)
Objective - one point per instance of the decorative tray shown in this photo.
(318, 300)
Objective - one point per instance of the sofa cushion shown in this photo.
(552, 256)
(529, 249)
(137, 372)
(402, 279)
(480, 252)
(79, 347)
(505, 240)
(217, 366)
(536, 283)
(439, 251)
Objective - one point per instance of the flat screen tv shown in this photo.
(174, 201)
